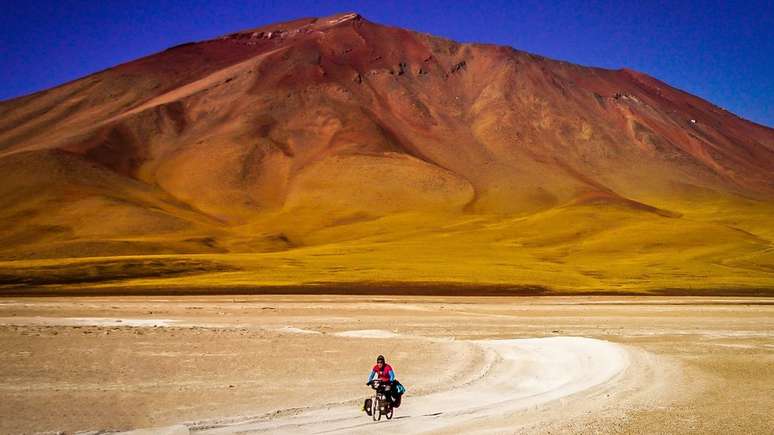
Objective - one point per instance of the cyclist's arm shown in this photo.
(371, 376)
(392, 376)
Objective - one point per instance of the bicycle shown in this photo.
(380, 405)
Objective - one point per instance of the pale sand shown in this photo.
(367, 333)
(84, 321)
(299, 363)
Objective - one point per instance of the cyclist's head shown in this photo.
(380, 359)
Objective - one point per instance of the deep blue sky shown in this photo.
(720, 51)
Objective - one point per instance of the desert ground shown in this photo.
(298, 364)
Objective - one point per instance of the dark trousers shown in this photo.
(388, 393)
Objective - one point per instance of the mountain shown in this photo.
(338, 150)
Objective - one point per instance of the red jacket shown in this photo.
(385, 374)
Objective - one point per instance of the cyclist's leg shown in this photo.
(388, 393)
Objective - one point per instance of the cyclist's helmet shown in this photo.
(380, 359)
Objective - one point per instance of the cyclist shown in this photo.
(386, 375)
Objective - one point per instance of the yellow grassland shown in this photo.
(713, 246)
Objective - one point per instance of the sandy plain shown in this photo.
(297, 364)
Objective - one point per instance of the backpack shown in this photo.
(399, 388)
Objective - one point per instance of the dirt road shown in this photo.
(517, 375)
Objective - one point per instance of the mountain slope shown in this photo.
(337, 132)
